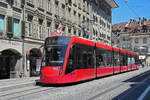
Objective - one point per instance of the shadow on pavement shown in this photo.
(137, 88)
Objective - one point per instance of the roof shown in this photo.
(119, 27)
(112, 3)
(133, 26)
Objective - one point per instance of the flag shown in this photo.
(59, 30)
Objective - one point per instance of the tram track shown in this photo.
(20, 93)
(36, 90)
(117, 86)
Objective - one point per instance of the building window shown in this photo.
(75, 17)
(40, 29)
(145, 49)
(16, 27)
(63, 11)
(144, 40)
(1, 23)
(48, 5)
(40, 3)
(56, 8)
(79, 19)
(128, 46)
(118, 41)
(74, 31)
(88, 7)
(69, 30)
(136, 40)
(29, 26)
(145, 30)
(30, 1)
(123, 46)
(48, 28)
(69, 13)
(79, 3)
(16, 3)
(136, 49)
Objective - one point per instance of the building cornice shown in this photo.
(112, 3)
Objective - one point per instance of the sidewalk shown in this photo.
(9, 84)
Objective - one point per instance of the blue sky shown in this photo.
(133, 9)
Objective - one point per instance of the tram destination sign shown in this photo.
(57, 40)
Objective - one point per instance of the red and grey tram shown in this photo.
(68, 59)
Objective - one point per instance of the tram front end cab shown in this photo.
(54, 60)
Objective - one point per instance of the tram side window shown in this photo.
(132, 60)
(86, 57)
(129, 60)
(116, 59)
(136, 60)
(109, 60)
(103, 58)
(123, 60)
(80, 57)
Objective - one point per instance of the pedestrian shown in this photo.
(143, 64)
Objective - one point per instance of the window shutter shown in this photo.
(23, 28)
(9, 26)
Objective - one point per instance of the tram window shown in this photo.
(116, 59)
(84, 56)
(90, 59)
(129, 60)
(123, 60)
(79, 62)
(136, 60)
(133, 61)
(109, 60)
(103, 58)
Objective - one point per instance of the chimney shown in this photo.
(134, 20)
(140, 21)
(130, 20)
(144, 20)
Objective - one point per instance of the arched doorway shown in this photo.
(35, 57)
(9, 63)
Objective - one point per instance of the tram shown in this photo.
(68, 59)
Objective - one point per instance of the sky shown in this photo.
(133, 9)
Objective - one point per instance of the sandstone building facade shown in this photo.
(24, 24)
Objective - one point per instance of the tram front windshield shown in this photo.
(55, 50)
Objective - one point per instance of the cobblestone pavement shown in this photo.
(125, 86)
